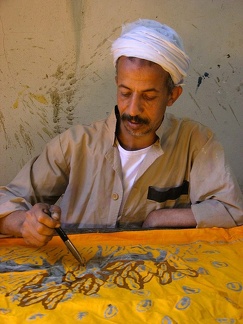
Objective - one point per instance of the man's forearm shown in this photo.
(169, 218)
(12, 224)
(34, 225)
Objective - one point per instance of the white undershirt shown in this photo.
(130, 161)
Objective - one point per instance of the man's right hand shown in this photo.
(35, 225)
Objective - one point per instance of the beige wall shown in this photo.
(56, 68)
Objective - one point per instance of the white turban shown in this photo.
(152, 41)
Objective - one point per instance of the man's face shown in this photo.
(142, 97)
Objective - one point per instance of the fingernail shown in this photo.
(55, 216)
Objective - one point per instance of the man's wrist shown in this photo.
(12, 223)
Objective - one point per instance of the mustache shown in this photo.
(135, 119)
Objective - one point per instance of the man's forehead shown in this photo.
(126, 87)
(137, 60)
(124, 64)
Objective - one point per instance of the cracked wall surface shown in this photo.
(56, 69)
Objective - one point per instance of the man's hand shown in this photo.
(169, 218)
(35, 225)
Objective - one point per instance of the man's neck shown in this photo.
(132, 143)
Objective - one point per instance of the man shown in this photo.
(139, 167)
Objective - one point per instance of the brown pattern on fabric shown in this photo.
(132, 271)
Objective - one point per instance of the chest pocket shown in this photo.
(170, 197)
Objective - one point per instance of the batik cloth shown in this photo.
(153, 276)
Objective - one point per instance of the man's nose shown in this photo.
(134, 107)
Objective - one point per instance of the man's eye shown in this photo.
(125, 94)
(149, 98)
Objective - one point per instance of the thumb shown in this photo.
(55, 212)
(55, 216)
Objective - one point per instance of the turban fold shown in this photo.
(152, 41)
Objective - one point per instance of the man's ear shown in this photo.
(175, 94)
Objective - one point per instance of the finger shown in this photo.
(45, 218)
(37, 241)
(41, 206)
(55, 212)
(46, 230)
(39, 223)
(32, 237)
(56, 217)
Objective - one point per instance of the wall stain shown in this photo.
(43, 118)
(20, 94)
(59, 73)
(16, 104)
(196, 103)
(233, 70)
(39, 47)
(210, 109)
(201, 78)
(58, 94)
(98, 46)
(3, 127)
(62, 94)
(234, 115)
(222, 105)
(17, 140)
(27, 140)
(69, 95)
(40, 135)
(45, 130)
(55, 100)
(77, 13)
(38, 97)
(240, 88)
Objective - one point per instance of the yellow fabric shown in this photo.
(157, 276)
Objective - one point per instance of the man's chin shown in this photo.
(137, 131)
